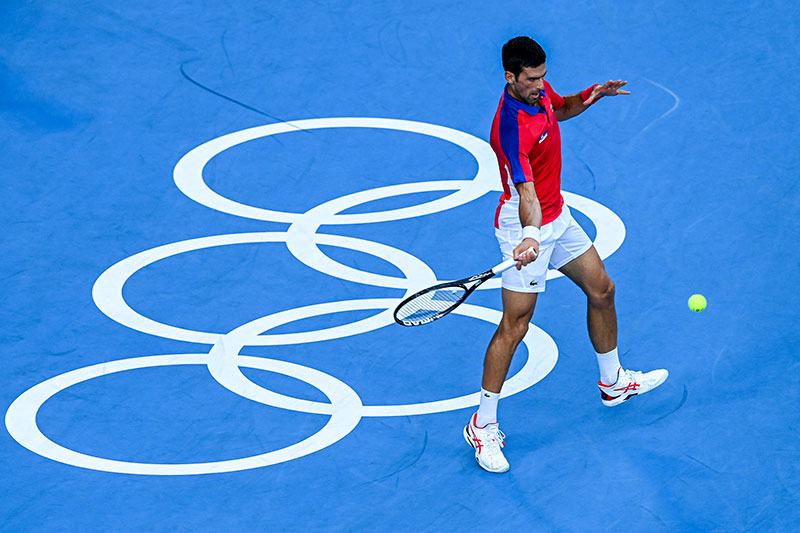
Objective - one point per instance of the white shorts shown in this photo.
(562, 241)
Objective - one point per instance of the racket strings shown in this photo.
(431, 303)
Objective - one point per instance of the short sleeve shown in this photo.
(516, 145)
(556, 99)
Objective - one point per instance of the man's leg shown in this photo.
(482, 432)
(616, 385)
(517, 313)
(588, 272)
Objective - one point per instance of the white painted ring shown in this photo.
(224, 357)
(108, 289)
(188, 172)
(21, 417)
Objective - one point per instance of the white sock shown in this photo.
(487, 411)
(609, 366)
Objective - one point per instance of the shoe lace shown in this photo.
(497, 436)
(636, 376)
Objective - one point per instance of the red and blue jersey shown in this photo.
(527, 142)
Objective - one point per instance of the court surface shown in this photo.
(209, 211)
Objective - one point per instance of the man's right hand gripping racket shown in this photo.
(435, 302)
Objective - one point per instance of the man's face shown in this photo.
(527, 86)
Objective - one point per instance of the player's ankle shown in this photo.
(609, 366)
(487, 410)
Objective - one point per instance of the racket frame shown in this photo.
(476, 281)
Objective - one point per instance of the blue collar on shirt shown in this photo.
(530, 109)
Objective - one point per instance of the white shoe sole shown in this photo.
(477, 459)
(624, 397)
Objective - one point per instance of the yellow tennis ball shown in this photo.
(697, 302)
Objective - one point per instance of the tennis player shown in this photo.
(534, 226)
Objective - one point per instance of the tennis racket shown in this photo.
(435, 302)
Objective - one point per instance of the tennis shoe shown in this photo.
(487, 441)
(630, 383)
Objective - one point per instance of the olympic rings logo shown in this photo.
(302, 238)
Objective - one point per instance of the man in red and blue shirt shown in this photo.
(535, 227)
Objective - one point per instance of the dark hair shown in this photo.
(521, 52)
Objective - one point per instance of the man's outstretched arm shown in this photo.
(577, 103)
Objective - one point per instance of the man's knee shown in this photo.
(602, 295)
(515, 328)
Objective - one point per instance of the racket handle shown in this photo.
(505, 265)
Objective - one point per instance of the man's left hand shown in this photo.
(609, 88)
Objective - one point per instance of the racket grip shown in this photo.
(505, 265)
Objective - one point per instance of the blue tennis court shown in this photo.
(210, 211)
